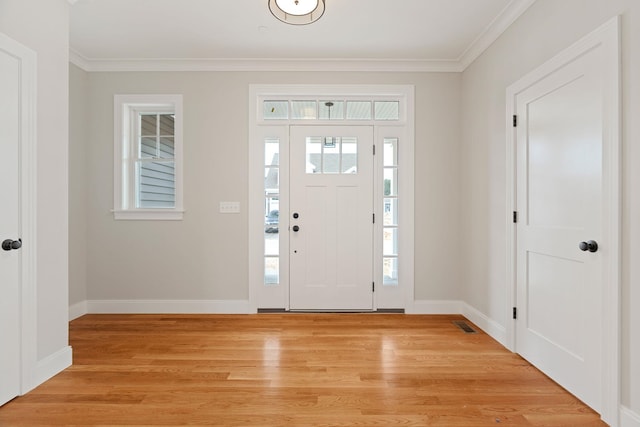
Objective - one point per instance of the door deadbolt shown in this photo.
(591, 246)
(10, 244)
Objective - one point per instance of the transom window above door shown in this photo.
(336, 109)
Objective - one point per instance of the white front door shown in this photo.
(331, 218)
(9, 226)
(559, 165)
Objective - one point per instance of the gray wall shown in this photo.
(205, 255)
(79, 133)
(547, 28)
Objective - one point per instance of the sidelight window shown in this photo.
(272, 211)
(390, 212)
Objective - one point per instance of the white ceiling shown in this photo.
(386, 35)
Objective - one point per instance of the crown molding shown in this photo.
(494, 30)
(249, 64)
(490, 34)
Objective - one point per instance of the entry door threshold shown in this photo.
(378, 311)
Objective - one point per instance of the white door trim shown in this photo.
(28, 155)
(608, 37)
(256, 179)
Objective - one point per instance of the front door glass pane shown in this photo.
(349, 155)
(314, 155)
(331, 154)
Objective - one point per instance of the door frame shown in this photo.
(28, 193)
(259, 128)
(608, 38)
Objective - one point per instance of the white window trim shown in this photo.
(123, 191)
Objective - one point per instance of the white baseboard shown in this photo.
(629, 418)
(168, 306)
(77, 310)
(51, 366)
(488, 325)
(434, 307)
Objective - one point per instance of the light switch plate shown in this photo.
(229, 207)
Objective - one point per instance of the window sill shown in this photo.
(149, 215)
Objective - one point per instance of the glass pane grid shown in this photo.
(331, 155)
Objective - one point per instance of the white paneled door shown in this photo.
(9, 226)
(331, 218)
(559, 164)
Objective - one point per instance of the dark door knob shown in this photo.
(591, 246)
(9, 244)
(296, 228)
(296, 215)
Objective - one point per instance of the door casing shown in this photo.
(606, 37)
(402, 295)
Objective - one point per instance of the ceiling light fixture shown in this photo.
(297, 12)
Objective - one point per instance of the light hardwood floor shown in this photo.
(292, 370)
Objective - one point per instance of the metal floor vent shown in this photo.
(464, 326)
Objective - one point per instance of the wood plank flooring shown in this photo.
(292, 370)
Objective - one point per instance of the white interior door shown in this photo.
(331, 218)
(560, 204)
(9, 226)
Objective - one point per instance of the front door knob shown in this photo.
(9, 244)
(591, 246)
(296, 228)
